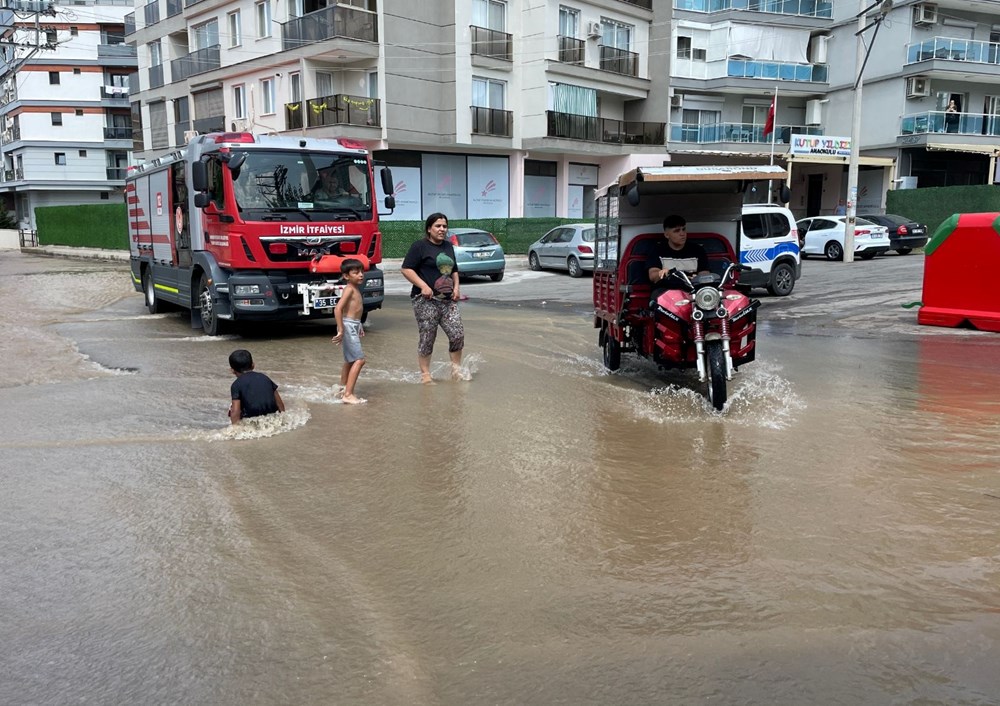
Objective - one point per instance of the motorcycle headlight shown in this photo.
(707, 298)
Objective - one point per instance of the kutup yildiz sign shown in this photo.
(821, 145)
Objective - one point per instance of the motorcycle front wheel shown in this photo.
(716, 374)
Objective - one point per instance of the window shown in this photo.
(60, 158)
(488, 93)
(569, 22)
(205, 35)
(76, 72)
(295, 87)
(83, 153)
(491, 14)
(74, 31)
(699, 54)
(683, 47)
(235, 36)
(615, 34)
(324, 83)
(373, 84)
(155, 53)
(53, 78)
(755, 114)
(79, 112)
(56, 118)
(239, 101)
(263, 19)
(267, 96)
(104, 196)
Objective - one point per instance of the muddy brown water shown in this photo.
(547, 533)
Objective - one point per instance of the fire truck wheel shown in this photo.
(153, 305)
(209, 320)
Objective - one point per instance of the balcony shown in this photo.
(117, 173)
(338, 109)
(492, 43)
(648, 4)
(492, 121)
(8, 175)
(571, 50)
(777, 71)
(798, 8)
(737, 132)
(619, 61)
(936, 121)
(116, 51)
(151, 12)
(950, 49)
(333, 21)
(619, 132)
(117, 133)
(197, 62)
(115, 92)
(129, 23)
(214, 123)
(156, 76)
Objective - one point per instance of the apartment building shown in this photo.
(65, 118)
(483, 108)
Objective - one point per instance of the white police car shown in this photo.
(769, 244)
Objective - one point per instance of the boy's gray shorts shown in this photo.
(351, 341)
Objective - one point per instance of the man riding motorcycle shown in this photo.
(674, 252)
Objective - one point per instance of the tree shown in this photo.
(6, 220)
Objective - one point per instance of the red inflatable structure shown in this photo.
(960, 273)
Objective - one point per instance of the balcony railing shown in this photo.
(936, 121)
(117, 173)
(583, 127)
(151, 12)
(492, 43)
(333, 21)
(951, 49)
(174, 7)
(116, 51)
(492, 121)
(620, 61)
(156, 76)
(117, 133)
(214, 123)
(737, 132)
(196, 62)
(777, 71)
(115, 92)
(130, 23)
(338, 109)
(648, 4)
(571, 50)
(8, 175)
(800, 8)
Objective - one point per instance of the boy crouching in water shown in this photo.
(253, 393)
(349, 329)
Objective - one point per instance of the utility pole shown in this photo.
(852, 165)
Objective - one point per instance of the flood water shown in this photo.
(547, 533)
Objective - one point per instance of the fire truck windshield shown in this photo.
(306, 185)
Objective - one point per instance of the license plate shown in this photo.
(481, 255)
(325, 302)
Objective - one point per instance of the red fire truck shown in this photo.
(241, 227)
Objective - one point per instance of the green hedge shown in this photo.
(934, 205)
(88, 226)
(514, 234)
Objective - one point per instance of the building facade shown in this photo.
(65, 119)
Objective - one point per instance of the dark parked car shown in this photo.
(904, 234)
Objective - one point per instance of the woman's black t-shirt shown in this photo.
(430, 262)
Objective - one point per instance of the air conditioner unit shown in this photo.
(925, 14)
(190, 135)
(814, 112)
(239, 125)
(594, 30)
(818, 49)
(918, 87)
(677, 100)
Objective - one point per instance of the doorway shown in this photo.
(814, 195)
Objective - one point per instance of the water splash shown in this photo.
(258, 427)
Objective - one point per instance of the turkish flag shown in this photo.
(769, 123)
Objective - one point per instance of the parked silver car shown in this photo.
(568, 247)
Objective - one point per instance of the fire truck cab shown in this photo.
(241, 227)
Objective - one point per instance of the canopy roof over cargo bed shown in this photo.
(660, 180)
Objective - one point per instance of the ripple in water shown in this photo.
(258, 427)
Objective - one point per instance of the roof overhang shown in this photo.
(991, 150)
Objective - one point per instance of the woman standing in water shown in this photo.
(430, 267)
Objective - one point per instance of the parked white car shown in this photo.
(824, 235)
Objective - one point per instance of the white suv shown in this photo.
(769, 244)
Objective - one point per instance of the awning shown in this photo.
(991, 150)
(824, 159)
